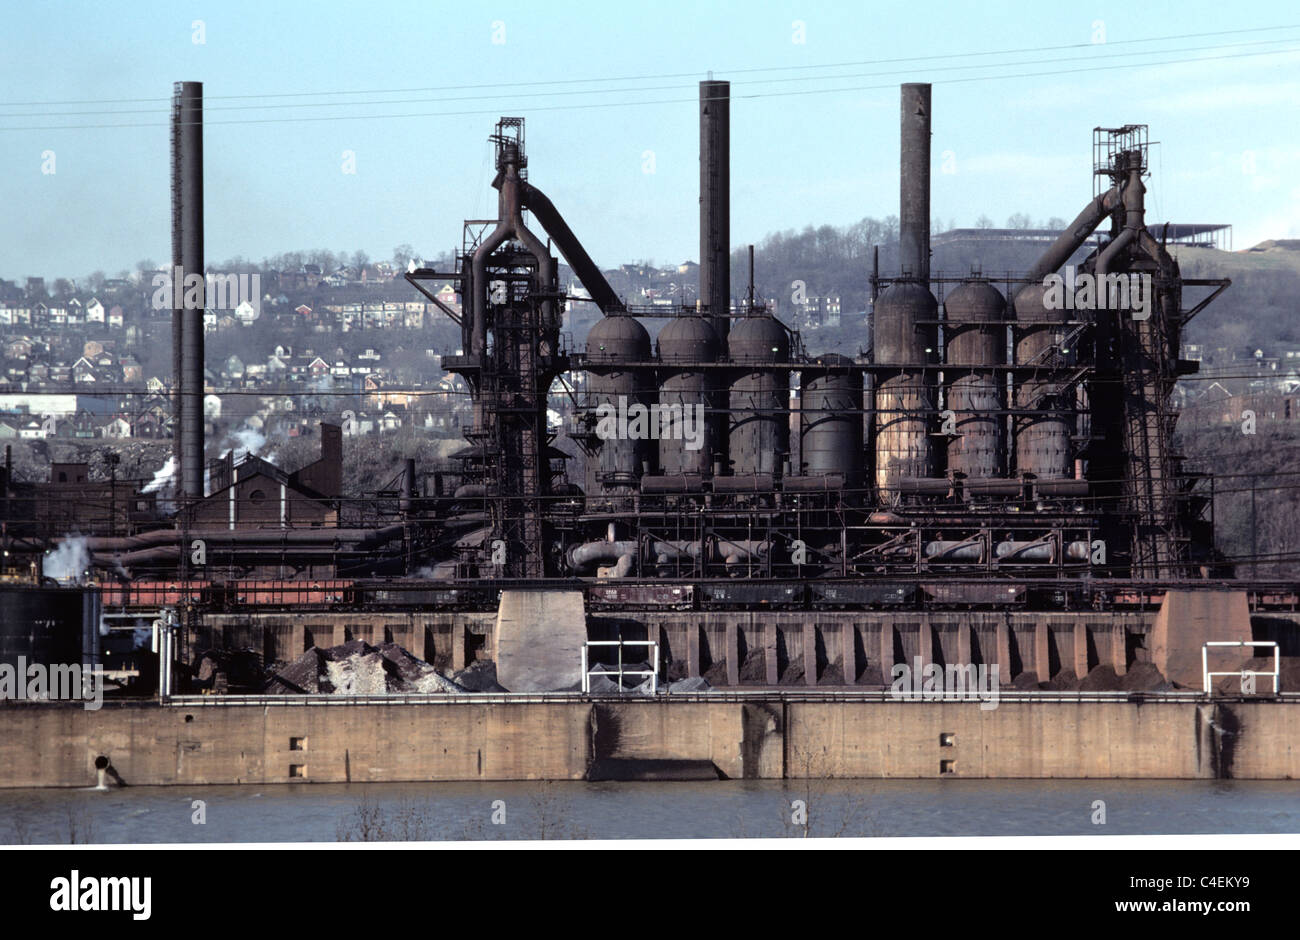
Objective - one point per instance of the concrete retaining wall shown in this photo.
(56, 745)
(799, 648)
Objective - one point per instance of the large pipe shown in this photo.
(582, 556)
(361, 537)
(715, 202)
(549, 218)
(187, 260)
(914, 182)
(509, 223)
(1084, 224)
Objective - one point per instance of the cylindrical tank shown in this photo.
(975, 340)
(831, 419)
(904, 397)
(759, 437)
(621, 396)
(686, 392)
(1042, 438)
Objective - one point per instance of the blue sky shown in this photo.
(1229, 138)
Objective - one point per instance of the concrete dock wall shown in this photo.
(798, 648)
(764, 738)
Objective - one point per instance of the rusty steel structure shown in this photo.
(991, 436)
(991, 430)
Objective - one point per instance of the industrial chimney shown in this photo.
(187, 261)
(914, 181)
(715, 202)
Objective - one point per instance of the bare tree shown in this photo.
(820, 808)
(80, 825)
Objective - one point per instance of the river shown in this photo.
(573, 809)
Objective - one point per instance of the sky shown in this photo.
(610, 92)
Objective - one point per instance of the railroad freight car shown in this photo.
(738, 594)
(643, 596)
(840, 595)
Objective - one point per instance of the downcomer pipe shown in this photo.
(914, 182)
(587, 271)
(187, 261)
(715, 203)
(1084, 224)
(509, 223)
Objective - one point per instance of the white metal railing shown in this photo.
(652, 672)
(1207, 676)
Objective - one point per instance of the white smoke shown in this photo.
(164, 484)
(247, 439)
(69, 562)
(163, 476)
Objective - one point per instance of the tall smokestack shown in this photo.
(715, 202)
(187, 260)
(914, 182)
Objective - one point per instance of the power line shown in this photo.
(608, 91)
(670, 75)
(626, 104)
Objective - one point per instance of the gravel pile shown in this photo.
(357, 668)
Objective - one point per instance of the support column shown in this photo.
(457, 647)
(849, 652)
(769, 649)
(1041, 665)
(885, 646)
(733, 653)
(1002, 644)
(809, 654)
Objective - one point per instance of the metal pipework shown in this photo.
(510, 223)
(1040, 551)
(715, 202)
(966, 550)
(187, 260)
(1075, 234)
(549, 218)
(1133, 201)
(914, 182)
(583, 556)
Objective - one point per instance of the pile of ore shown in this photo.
(479, 676)
(606, 681)
(357, 668)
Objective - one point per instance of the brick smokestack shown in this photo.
(187, 261)
(715, 202)
(914, 182)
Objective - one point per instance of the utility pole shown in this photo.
(1254, 557)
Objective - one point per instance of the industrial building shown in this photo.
(991, 481)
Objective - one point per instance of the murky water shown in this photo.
(722, 809)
